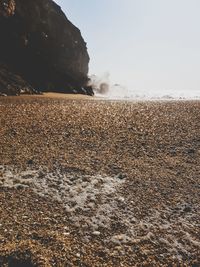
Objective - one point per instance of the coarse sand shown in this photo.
(91, 182)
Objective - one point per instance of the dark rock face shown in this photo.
(40, 45)
(13, 84)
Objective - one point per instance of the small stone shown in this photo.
(121, 199)
(173, 152)
(133, 220)
(190, 151)
(20, 186)
(187, 208)
(97, 233)
(120, 176)
(119, 237)
(30, 162)
(66, 233)
(119, 248)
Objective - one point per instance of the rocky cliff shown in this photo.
(40, 49)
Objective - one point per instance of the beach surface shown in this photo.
(90, 182)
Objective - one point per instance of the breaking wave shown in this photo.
(104, 88)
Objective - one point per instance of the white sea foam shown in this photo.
(97, 202)
(122, 93)
(103, 87)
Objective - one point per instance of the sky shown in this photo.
(144, 44)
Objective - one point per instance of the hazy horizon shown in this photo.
(144, 45)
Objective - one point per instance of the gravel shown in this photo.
(87, 182)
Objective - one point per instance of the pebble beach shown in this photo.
(92, 182)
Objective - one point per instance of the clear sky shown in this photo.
(143, 44)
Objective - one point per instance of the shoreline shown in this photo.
(65, 96)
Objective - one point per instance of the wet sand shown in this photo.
(89, 182)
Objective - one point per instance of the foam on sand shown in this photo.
(97, 204)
